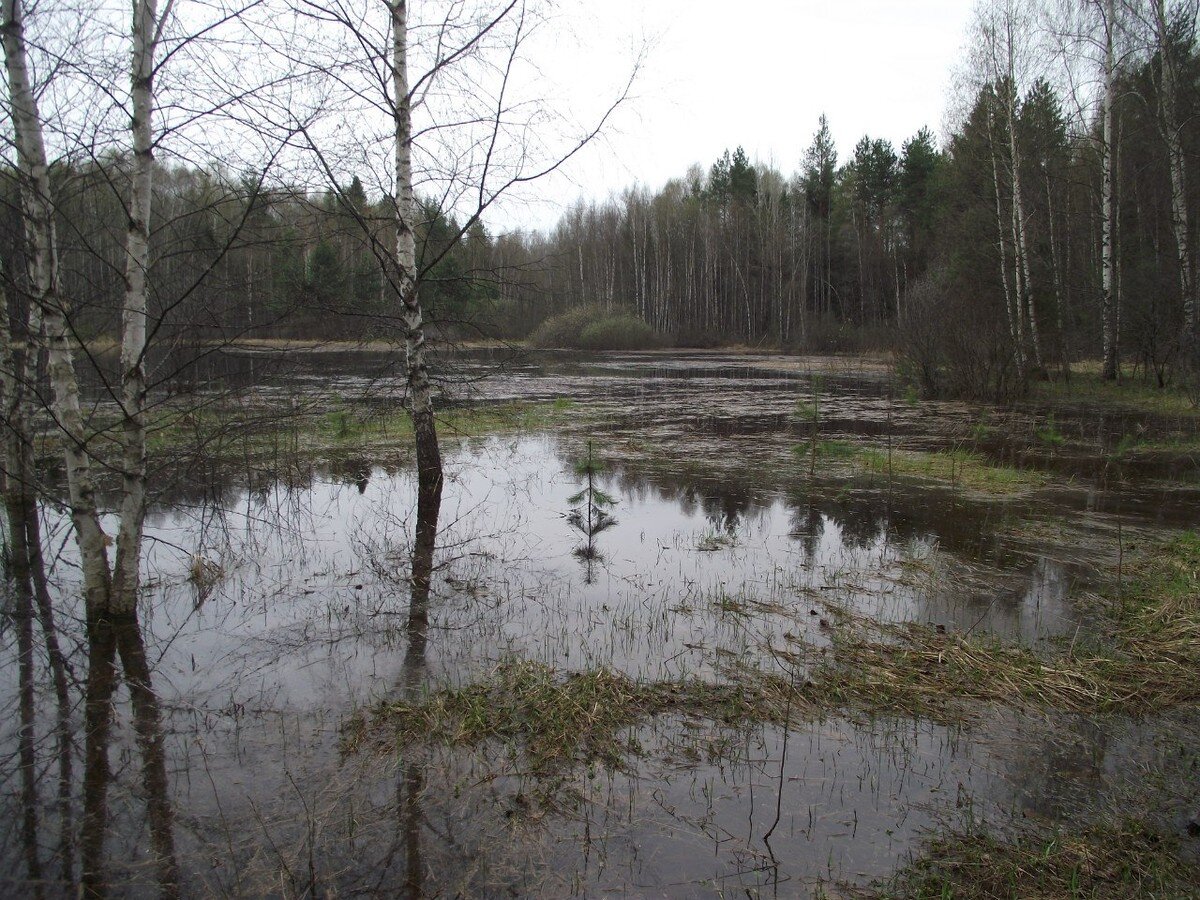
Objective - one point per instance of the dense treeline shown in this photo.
(991, 258)
(233, 257)
(743, 253)
(1048, 225)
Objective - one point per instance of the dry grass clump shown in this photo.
(1151, 650)
(556, 718)
(1118, 861)
(1147, 662)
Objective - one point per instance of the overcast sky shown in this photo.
(753, 72)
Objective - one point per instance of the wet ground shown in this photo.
(278, 611)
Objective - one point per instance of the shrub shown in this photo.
(595, 328)
(952, 344)
(622, 332)
(563, 330)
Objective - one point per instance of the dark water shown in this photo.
(303, 614)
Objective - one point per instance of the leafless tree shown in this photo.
(451, 97)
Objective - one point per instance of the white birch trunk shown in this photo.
(1108, 261)
(1010, 303)
(1060, 298)
(1022, 277)
(133, 318)
(1179, 210)
(43, 270)
(429, 461)
(1022, 280)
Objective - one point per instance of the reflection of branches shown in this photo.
(412, 781)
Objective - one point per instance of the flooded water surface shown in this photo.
(665, 525)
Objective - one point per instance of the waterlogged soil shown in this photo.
(277, 620)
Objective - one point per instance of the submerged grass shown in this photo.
(1147, 662)
(557, 719)
(961, 468)
(249, 433)
(1118, 860)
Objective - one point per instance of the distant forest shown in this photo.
(1050, 225)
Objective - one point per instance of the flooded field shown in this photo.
(625, 651)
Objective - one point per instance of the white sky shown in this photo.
(753, 72)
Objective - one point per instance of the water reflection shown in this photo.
(342, 585)
(412, 776)
(112, 637)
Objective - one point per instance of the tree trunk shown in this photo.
(126, 579)
(1010, 301)
(429, 458)
(1108, 257)
(1168, 119)
(43, 270)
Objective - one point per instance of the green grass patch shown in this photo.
(556, 719)
(1049, 434)
(1118, 860)
(981, 431)
(1131, 393)
(1131, 446)
(961, 468)
(958, 467)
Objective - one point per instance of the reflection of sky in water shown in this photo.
(306, 622)
(312, 601)
(710, 562)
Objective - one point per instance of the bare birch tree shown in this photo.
(1006, 47)
(1109, 299)
(429, 458)
(481, 135)
(110, 591)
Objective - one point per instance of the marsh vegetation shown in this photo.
(354, 548)
(948, 657)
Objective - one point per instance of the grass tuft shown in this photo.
(1117, 861)
(1151, 648)
(557, 719)
(959, 467)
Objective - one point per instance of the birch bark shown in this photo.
(126, 579)
(429, 460)
(1171, 133)
(1108, 261)
(38, 210)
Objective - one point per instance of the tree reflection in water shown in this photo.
(412, 770)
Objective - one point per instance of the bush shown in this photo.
(952, 344)
(623, 332)
(595, 328)
(563, 330)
